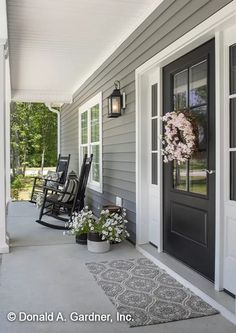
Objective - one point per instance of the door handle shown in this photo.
(210, 172)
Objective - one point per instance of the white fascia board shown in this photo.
(38, 96)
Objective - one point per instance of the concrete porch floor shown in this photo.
(45, 271)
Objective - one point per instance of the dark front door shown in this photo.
(189, 188)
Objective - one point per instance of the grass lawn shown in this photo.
(23, 191)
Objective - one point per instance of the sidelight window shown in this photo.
(154, 135)
(232, 119)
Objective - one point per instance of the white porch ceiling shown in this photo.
(56, 44)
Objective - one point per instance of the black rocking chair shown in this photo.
(66, 201)
(41, 182)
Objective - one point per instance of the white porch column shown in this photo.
(4, 247)
(7, 130)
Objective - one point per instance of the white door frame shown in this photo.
(213, 27)
(229, 205)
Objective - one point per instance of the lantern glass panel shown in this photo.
(116, 105)
(109, 106)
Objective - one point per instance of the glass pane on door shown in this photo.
(181, 90)
(197, 175)
(190, 91)
(198, 84)
(200, 115)
(180, 176)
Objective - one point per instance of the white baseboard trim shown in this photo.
(223, 311)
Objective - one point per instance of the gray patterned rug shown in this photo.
(146, 292)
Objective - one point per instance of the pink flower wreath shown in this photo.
(179, 139)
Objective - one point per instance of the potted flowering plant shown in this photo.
(98, 233)
(110, 227)
(113, 226)
(82, 223)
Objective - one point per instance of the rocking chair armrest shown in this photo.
(51, 180)
(57, 190)
(37, 177)
(38, 181)
(44, 178)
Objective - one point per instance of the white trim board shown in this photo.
(213, 27)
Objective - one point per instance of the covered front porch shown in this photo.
(66, 64)
(46, 272)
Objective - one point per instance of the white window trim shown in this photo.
(97, 99)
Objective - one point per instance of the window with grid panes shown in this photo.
(90, 141)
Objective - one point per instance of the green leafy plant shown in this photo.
(16, 185)
(33, 136)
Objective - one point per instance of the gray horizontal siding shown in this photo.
(167, 23)
(127, 176)
(121, 166)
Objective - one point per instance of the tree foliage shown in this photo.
(33, 136)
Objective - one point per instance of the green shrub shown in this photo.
(17, 184)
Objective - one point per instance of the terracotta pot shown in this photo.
(96, 244)
(81, 239)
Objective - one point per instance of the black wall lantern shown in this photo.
(116, 102)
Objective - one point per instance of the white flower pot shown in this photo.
(96, 244)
